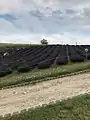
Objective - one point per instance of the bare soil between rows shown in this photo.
(19, 98)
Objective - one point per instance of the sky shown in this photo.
(58, 21)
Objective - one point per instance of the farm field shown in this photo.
(27, 58)
(33, 75)
(44, 60)
(37, 63)
(25, 97)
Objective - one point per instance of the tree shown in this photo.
(44, 42)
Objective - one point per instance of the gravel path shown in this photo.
(19, 98)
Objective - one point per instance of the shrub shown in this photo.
(2, 73)
(14, 66)
(61, 61)
(76, 58)
(5, 72)
(24, 68)
(45, 64)
(88, 56)
(8, 70)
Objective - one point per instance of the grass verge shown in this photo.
(18, 45)
(36, 75)
(77, 108)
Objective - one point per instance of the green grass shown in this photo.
(17, 45)
(77, 108)
(35, 75)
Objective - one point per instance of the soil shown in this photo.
(19, 98)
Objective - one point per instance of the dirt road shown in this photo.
(19, 98)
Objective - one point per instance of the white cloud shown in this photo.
(65, 38)
(45, 18)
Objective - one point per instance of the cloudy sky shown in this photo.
(28, 21)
